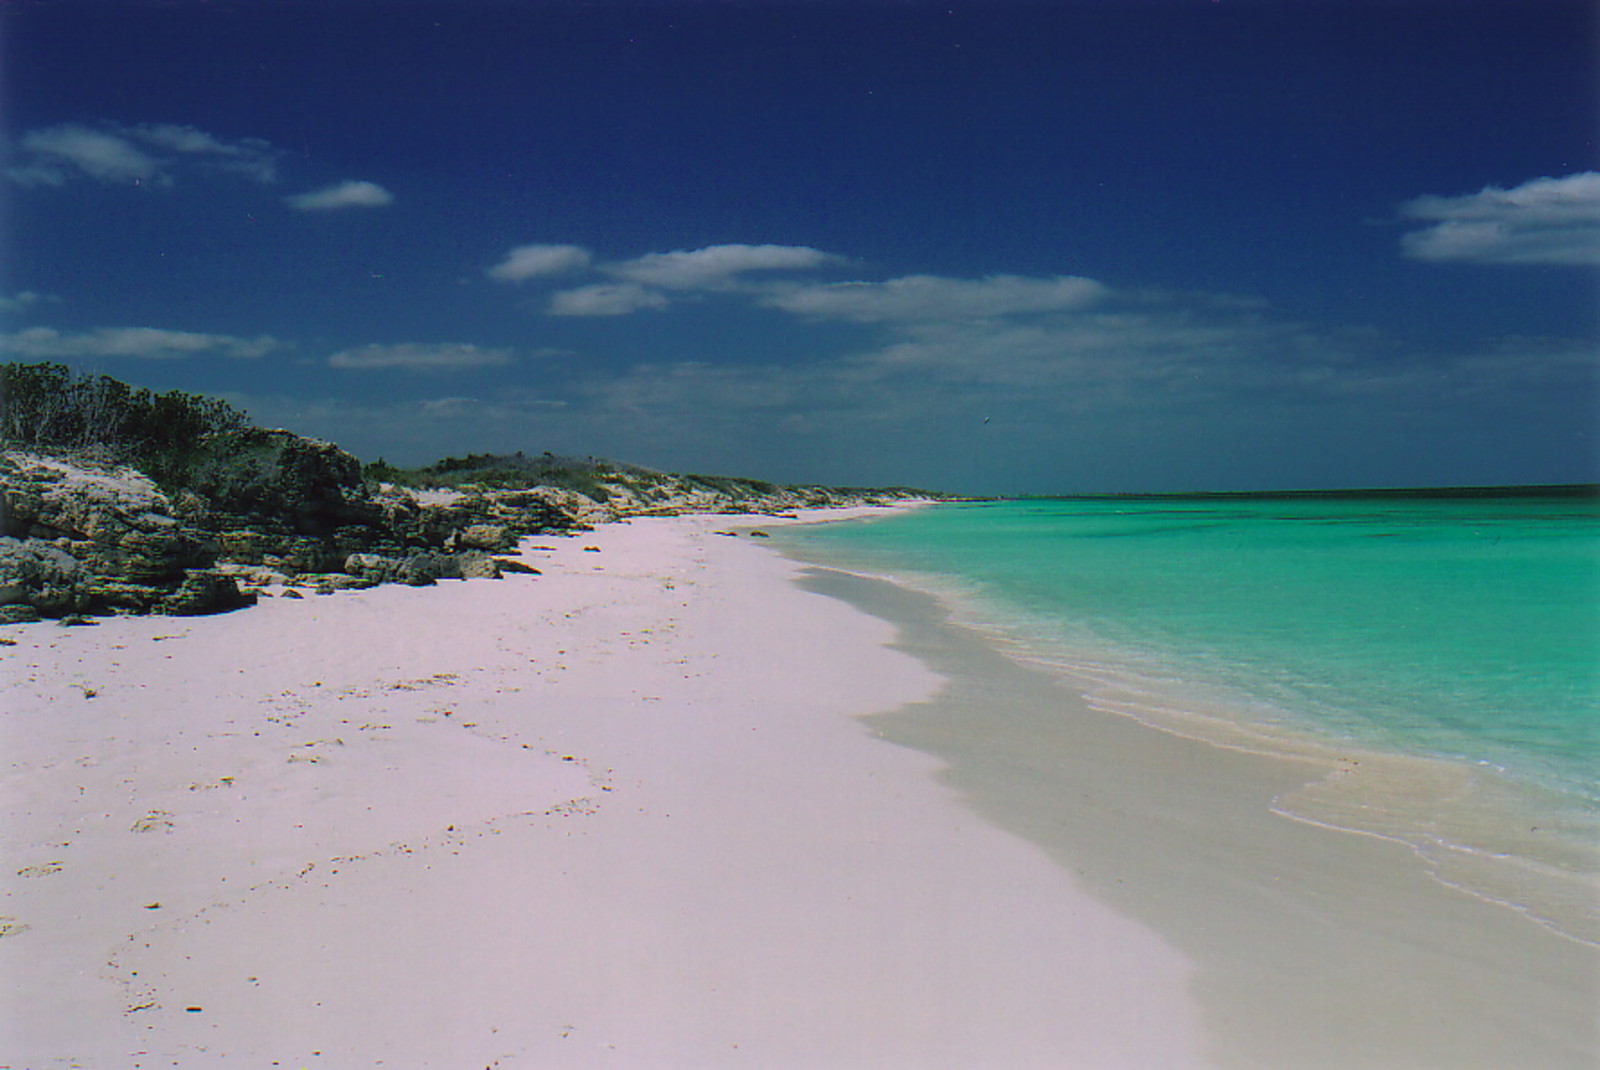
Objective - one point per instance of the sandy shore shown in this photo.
(621, 814)
(682, 802)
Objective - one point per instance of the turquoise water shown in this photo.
(1465, 630)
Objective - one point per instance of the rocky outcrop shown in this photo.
(250, 509)
(255, 508)
(36, 576)
(80, 537)
(279, 481)
(474, 518)
(422, 567)
(276, 499)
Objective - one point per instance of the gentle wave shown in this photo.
(1428, 721)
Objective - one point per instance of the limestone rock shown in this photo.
(277, 480)
(42, 577)
(205, 591)
(474, 565)
(80, 534)
(494, 537)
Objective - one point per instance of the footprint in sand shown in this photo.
(155, 820)
(41, 870)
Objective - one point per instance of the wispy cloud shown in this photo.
(422, 356)
(58, 153)
(926, 298)
(22, 301)
(606, 299)
(1542, 221)
(251, 157)
(716, 266)
(1039, 353)
(1138, 398)
(656, 280)
(1153, 394)
(351, 194)
(140, 343)
(539, 261)
(149, 154)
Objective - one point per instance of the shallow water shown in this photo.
(1456, 643)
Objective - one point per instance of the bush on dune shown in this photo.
(49, 406)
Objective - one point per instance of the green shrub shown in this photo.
(51, 406)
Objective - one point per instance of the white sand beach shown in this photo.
(624, 813)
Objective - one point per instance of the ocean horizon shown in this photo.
(1428, 492)
(1441, 643)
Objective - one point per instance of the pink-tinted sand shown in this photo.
(622, 814)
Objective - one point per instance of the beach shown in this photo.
(681, 801)
(1312, 946)
(621, 813)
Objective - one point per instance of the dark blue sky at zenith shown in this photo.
(988, 247)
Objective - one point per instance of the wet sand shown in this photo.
(1313, 947)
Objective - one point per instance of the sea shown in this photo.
(1438, 655)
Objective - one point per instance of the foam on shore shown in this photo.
(1313, 947)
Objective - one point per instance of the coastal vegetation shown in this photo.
(171, 438)
(594, 477)
(49, 406)
(588, 476)
(119, 499)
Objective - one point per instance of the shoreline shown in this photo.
(1476, 828)
(639, 811)
(623, 813)
(1361, 887)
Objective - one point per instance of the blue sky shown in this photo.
(987, 247)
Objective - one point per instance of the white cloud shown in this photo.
(20, 301)
(1542, 221)
(344, 195)
(185, 139)
(647, 281)
(1158, 367)
(421, 356)
(134, 155)
(716, 266)
(927, 298)
(143, 343)
(55, 154)
(605, 299)
(249, 156)
(533, 261)
(1155, 394)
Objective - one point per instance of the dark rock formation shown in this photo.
(280, 481)
(37, 577)
(262, 508)
(82, 536)
(476, 519)
(422, 567)
(205, 591)
(274, 498)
